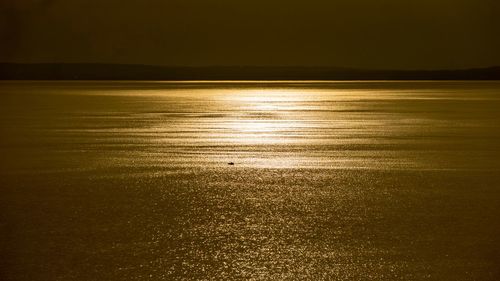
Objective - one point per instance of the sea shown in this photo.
(250, 180)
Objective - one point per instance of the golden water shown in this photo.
(331, 180)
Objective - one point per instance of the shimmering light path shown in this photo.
(331, 180)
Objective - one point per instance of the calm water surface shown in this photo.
(331, 180)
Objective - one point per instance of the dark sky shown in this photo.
(404, 34)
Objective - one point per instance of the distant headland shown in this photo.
(80, 71)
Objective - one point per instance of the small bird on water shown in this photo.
(231, 163)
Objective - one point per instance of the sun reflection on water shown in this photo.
(260, 127)
(264, 116)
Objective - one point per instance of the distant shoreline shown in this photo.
(125, 72)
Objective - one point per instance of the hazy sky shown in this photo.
(351, 33)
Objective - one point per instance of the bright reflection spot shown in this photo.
(264, 116)
(266, 107)
(257, 126)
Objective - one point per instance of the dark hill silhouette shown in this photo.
(78, 71)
